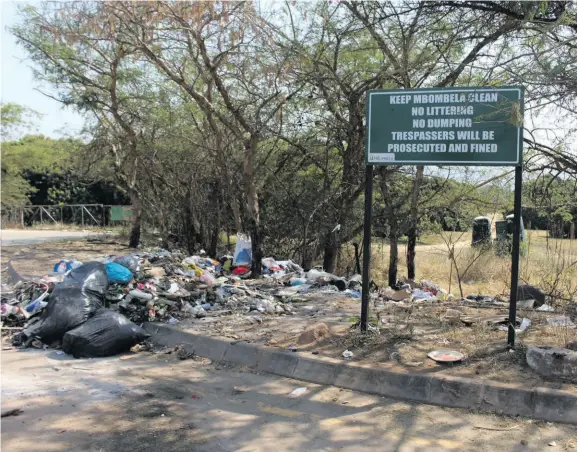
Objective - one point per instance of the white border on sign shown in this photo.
(386, 156)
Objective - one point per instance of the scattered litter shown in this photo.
(347, 354)
(155, 285)
(523, 325)
(118, 274)
(545, 308)
(399, 295)
(66, 266)
(419, 294)
(552, 444)
(552, 362)
(561, 322)
(195, 396)
(243, 251)
(526, 304)
(446, 356)
(414, 363)
(497, 429)
(481, 298)
(14, 412)
(297, 392)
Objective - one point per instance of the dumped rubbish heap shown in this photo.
(95, 308)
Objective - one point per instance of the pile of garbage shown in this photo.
(94, 309)
(71, 313)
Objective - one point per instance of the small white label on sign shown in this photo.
(385, 157)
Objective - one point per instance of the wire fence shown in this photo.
(84, 215)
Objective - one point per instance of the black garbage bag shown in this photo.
(106, 333)
(73, 301)
(90, 277)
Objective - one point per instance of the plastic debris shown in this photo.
(243, 251)
(562, 321)
(129, 262)
(419, 294)
(446, 356)
(118, 274)
(66, 266)
(157, 285)
(297, 393)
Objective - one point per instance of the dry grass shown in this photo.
(549, 264)
(407, 333)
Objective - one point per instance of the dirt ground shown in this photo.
(407, 333)
(38, 260)
(156, 402)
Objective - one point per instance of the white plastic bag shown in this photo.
(243, 251)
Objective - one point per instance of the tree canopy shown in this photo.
(222, 116)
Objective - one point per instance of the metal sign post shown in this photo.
(366, 246)
(515, 256)
(480, 126)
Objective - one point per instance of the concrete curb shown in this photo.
(492, 397)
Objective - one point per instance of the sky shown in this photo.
(17, 84)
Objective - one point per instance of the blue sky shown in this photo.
(17, 84)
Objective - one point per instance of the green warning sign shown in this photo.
(445, 126)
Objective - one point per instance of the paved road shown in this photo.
(11, 237)
(158, 402)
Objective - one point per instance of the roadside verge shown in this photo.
(484, 396)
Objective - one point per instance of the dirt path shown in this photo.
(39, 259)
(12, 237)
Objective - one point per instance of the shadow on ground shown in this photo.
(159, 403)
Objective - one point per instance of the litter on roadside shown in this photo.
(561, 322)
(297, 393)
(446, 356)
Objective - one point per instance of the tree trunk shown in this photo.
(214, 241)
(252, 206)
(331, 250)
(393, 253)
(190, 230)
(135, 221)
(357, 260)
(413, 220)
(212, 251)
